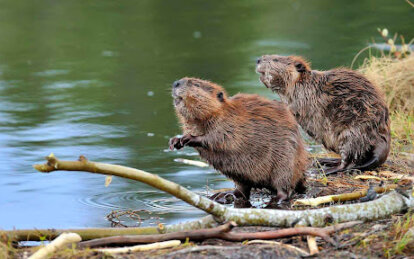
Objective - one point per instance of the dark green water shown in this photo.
(93, 78)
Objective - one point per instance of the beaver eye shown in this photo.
(196, 85)
(275, 60)
(220, 96)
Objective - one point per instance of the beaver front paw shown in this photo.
(179, 143)
(223, 197)
(175, 143)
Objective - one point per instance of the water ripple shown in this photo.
(137, 200)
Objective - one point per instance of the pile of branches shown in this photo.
(220, 221)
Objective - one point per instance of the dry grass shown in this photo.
(396, 79)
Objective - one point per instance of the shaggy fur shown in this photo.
(252, 140)
(339, 108)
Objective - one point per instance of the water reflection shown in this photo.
(94, 77)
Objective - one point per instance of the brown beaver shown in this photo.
(253, 141)
(339, 108)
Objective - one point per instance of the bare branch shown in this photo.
(221, 232)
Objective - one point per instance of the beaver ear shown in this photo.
(220, 96)
(300, 67)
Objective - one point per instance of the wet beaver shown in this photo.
(339, 108)
(253, 141)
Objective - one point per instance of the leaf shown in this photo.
(108, 180)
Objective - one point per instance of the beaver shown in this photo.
(253, 141)
(339, 108)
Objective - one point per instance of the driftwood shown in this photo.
(221, 232)
(385, 206)
(60, 242)
(341, 197)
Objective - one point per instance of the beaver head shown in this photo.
(198, 99)
(280, 72)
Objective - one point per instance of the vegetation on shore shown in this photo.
(393, 72)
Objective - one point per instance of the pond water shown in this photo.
(93, 78)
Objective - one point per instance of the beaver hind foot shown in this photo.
(346, 166)
(376, 158)
(328, 161)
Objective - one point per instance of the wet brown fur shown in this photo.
(339, 108)
(252, 140)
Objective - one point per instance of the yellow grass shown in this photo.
(396, 79)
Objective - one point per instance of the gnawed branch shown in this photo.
(389, 204)
(341, 197)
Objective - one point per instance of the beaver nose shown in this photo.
(176, 83)
(258, 60)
